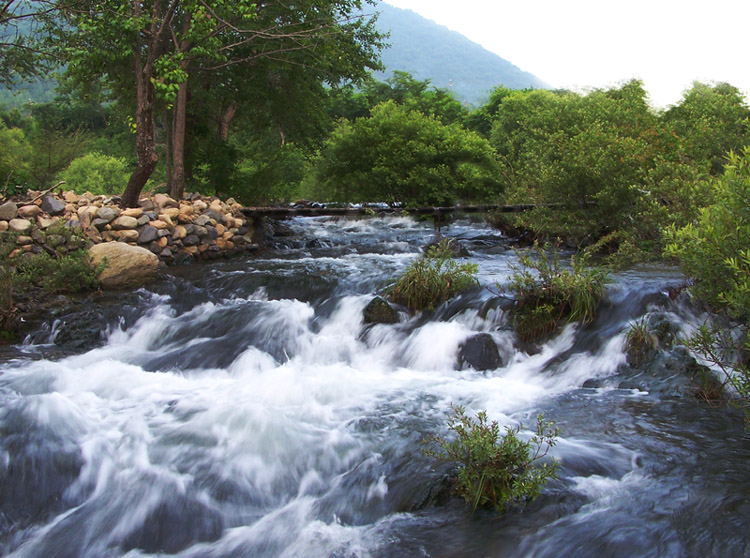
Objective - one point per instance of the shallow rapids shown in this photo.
(243, 409)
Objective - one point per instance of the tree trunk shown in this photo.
(168, 147)
(145, 140)
(177, 180)
(225, 120)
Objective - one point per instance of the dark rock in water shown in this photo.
(479, 352)
(456, 248)
(52, 205)
(435, 494)
(378, 311)
(81, 330)
(593, 383)
(174, 525)
(315, 243)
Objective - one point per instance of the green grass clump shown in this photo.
(432, 279)
(640, 342)
(496, 471)
(548, 296)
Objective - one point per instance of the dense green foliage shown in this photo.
(433, 279)
(548, 295)
(621, 169)
(496, 471)
(715, 252)
(96, 173)
(401, 155)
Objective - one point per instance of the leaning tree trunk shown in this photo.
(145, 139)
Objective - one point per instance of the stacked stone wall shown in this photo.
(196, 227)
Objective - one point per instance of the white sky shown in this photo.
(580, 44)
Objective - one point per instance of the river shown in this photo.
(242, 409)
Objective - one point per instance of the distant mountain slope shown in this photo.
(430, 51)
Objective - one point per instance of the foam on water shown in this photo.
(302, 440)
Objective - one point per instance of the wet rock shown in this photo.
(479, 352)
(127, 266)
(379, 311)
(52, 205)
(456, 248)
(8, 211)
(81, 330)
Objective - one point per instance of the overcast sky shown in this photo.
(582, 44)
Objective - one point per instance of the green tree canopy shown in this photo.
(710, 121)
(400, 155)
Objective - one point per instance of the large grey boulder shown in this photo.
(126, 266)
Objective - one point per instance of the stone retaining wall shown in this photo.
(193, 228)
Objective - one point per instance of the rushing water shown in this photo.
(242, 409)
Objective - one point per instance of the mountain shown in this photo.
(431, 51)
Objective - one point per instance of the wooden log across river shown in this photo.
(310, 211)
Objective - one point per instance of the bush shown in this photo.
(432, 279)
(97, 173)
(548, 296)
(715, 252)
(400, 155)
(496, 471)
(32, 277)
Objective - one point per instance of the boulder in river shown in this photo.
(379, 311)
(479, 352)
(126, 266)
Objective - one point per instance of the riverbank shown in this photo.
(45, 234)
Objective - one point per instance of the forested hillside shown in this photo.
(430, 51)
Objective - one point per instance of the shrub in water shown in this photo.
(496, 471)
(432, 279)
(548, 296)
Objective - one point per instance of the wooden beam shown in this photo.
(281, 212)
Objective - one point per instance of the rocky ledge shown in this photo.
(196, 227)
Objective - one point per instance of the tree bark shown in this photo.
(225, 120)
(145, 140)
(177, 179)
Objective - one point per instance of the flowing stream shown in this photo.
(242, 409)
